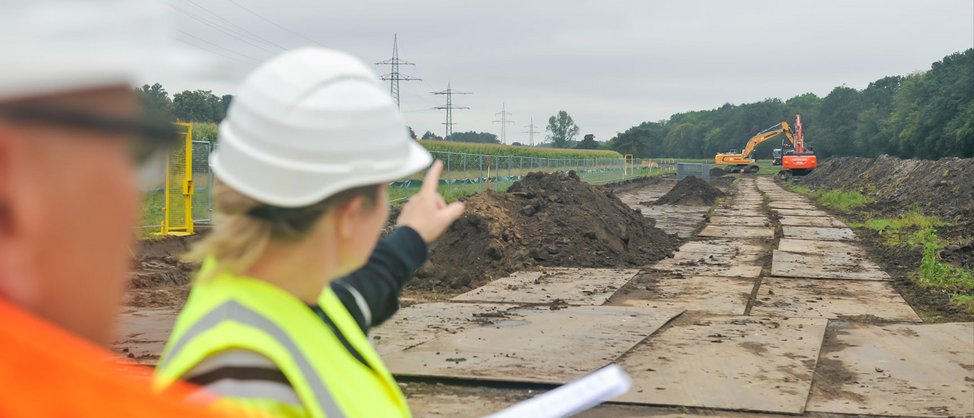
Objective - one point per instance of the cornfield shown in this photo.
(505, 150)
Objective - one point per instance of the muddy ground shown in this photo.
(160, 278)
(942, 188)
(544, 220)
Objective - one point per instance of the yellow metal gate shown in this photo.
(179, 186)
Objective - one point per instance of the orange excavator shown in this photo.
(793, 157)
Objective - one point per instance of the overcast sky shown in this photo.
(610, 64)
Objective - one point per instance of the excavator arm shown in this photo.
(743, 158)
(767, 135)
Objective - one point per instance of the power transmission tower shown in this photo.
(531, 130)
(503, 121)
(394, 76)
(449, 108)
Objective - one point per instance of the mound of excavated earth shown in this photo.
(942, 187)
(543, 220)
(690, 191)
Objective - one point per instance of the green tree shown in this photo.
(588, 142)
(225, 102)
(562, 129)
(475, 137)
(197, 106)
(155, 99)
(644, 140)
(412, 133)
(923, 115)
(876, 106)
(430, 135)
(837, 122)
(933, 111)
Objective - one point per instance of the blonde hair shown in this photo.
(244, 226)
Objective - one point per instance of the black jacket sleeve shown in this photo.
(371, 294)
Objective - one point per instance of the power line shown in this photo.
(531, 131)
(503, 121)
(394, 76)
(217, 27)
(241, 29)
(247, 57)
(449, 107)
(281, 27)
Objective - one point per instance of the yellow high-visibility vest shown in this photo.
(229, 312)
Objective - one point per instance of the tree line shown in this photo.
(187, 106)
(926, 115)
(202, 106)
(560, 133)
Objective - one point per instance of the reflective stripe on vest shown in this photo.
(234, 311)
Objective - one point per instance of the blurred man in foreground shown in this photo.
(72, 139)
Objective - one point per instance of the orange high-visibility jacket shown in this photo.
(48, 372)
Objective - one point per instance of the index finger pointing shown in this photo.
(432, 180)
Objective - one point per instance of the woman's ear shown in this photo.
(348, 217)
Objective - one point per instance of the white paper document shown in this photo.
(573, 397)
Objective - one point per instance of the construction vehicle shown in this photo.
(743, 161)
(776, 156)
(794, 157)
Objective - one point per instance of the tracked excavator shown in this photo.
(743, 161)
(794, 157)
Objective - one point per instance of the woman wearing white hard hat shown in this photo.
(306, 152)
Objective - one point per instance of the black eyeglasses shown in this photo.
(152, 134)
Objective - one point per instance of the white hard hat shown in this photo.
(310, 123)
(52, 46)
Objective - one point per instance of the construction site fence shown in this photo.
(154, 202)
(465, 173)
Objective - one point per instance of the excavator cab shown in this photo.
(776, 156)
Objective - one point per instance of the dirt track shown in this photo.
(760, 333)
(717, 332)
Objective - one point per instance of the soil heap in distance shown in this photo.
(690, 191)
(550, 220)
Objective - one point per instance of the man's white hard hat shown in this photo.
(310, 123)
(52, 46)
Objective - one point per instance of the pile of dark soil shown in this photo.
(691, 191)
(159, 277)
(941, 188)
(716, 172)
(543, 220)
